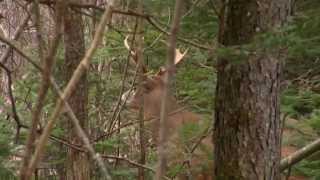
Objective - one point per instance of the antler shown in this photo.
(179, 56)
(126, 44)
(133, 54)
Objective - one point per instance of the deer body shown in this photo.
(149, 95)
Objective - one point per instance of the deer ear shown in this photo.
(161, 71)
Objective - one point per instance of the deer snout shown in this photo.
(128, 98)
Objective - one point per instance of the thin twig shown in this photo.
(16, 34)
(109, 133)
(204, 135)
(191, 9)
(149, 18)
(160, 35)
(121, 104)
(83, 66)
(47, 68)
(19, 51)
(153, 22)
(12, 101)
(140, 64)
(79, 148)
(83, 136)
(216, 11)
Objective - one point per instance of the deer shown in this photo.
(148, 95)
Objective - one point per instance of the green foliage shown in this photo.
(155, 6)
(6, 174)
(196, 84)
(310, 168)
(304, 37)
(124, 173)
(110, 144)
(201, 24)
(299, 103)
(306, 31)
(5, 149)
(235, 55)
(5, 138)
(314, 120)
(175, 170)
(189, 131)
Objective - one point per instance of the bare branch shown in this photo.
(83, 66)
(20, 51)
(120, 104)
(141, 70)
(152, 21)
(149, 18)
(13, 102)
(16, 35)
(71, 3)
(191, 9)
(78, 148)
(47, 68)
(300, 155)
(109, 133)
(82, 135)
(56, 89)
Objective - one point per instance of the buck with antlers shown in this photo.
(149, 95)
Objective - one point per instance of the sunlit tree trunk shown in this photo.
(247, 125)
(77, 165)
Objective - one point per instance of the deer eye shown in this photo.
(146, 87)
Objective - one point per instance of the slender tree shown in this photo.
(142, 133)
(247, 125)
(163, 125)
(77, 165)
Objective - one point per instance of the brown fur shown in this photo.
(151, 93)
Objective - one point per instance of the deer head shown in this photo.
(149, 94)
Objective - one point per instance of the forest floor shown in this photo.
(294, 133)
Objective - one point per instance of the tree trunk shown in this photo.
(77, 165)
(12, 14)
(247, 124)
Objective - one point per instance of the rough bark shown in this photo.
(11, 16)
(247, 124)
(77, 165)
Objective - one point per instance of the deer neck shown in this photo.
(153, 109)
